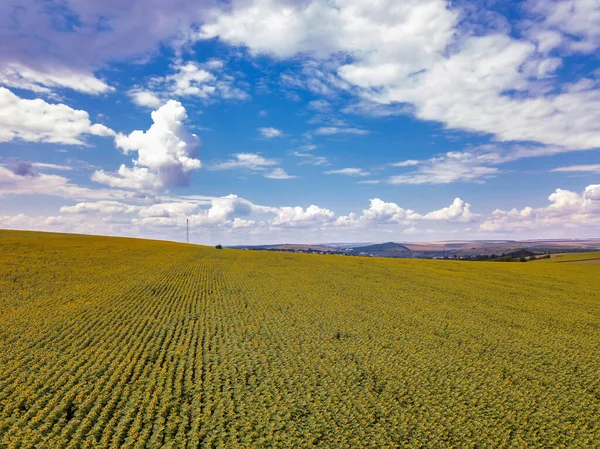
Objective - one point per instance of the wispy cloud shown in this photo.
(407, 163)
(332, 130)
(270, 133)
(310, 159)
(319, 105)
(592, 168)
(254, 163)
(349, 171)
(44, 165)
(370, 181)
(279, 173)
(475, 165)
(486, 81)
(206, 81)
(249, 161)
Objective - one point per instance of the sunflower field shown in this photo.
(123, 343)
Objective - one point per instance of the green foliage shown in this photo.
(219, 247)
(521, 255)
(108, 342)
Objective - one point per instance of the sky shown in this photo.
(313, 121)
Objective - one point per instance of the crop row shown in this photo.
(160, 345)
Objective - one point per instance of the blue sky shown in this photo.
(265, 121)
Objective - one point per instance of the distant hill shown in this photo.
(389, 249)
(459, 249)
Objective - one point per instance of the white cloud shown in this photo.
(322, 28)
(278, 173)
(574, 25)
(349, 171)
(366, 107)
(546, 40)
(233, 218)
(455, 166)
(370, 181)
(228, 207)
(240, 223)
(100, 207)
(297, 217)
(223, 211)
(44, 165)
(310, 159)
(592, 192)
(22, 77)
(332, 130)
(137, 178)
(166, 153)
(319, 105)
(98, 129)
(381, 212)
(457, 211)
(61, 44)
(589, 168)
(567, 209)
(45, 223)
(189, 79)
(269, 133)
(20, 221)
(256, 163)
(467, 91)
(38, 121)
(407, 163)
(249, 161)
(474, 164)
(145, 98)
(171, 209)
(195, 80)
(23, 179)
(416, 53)
(314, 78)
(415, 231)
(387, 213)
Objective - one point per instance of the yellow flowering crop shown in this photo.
(108, 342)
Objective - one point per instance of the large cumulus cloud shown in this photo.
(166, 153)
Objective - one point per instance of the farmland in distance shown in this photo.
(111, 342)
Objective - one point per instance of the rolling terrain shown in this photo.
(112, 342)
(457, 249)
